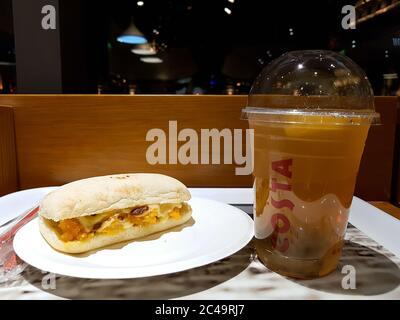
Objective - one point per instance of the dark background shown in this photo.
(204, 49)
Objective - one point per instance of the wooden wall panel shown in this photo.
(375, 176)
(396, 167)
(63, 138)
(8, 160)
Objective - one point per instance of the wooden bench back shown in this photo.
(53, 139)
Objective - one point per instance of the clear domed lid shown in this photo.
(311, 82)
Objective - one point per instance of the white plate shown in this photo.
(218, 231)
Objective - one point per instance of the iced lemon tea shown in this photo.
(311, 111)
(305, 172)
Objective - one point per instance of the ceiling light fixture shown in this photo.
(227, 10)
(151, 60)
(144, 49)
(140, 3)
(132, 35)
(231, 1)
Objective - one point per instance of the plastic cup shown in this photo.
(307, 151)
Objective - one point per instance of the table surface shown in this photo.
(240, 276)
(387, 207)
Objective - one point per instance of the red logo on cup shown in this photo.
(280, 223)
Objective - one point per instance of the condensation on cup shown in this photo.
(311, 112)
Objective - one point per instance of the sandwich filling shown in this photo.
(112, 222)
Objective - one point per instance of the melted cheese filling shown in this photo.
(112, 222)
